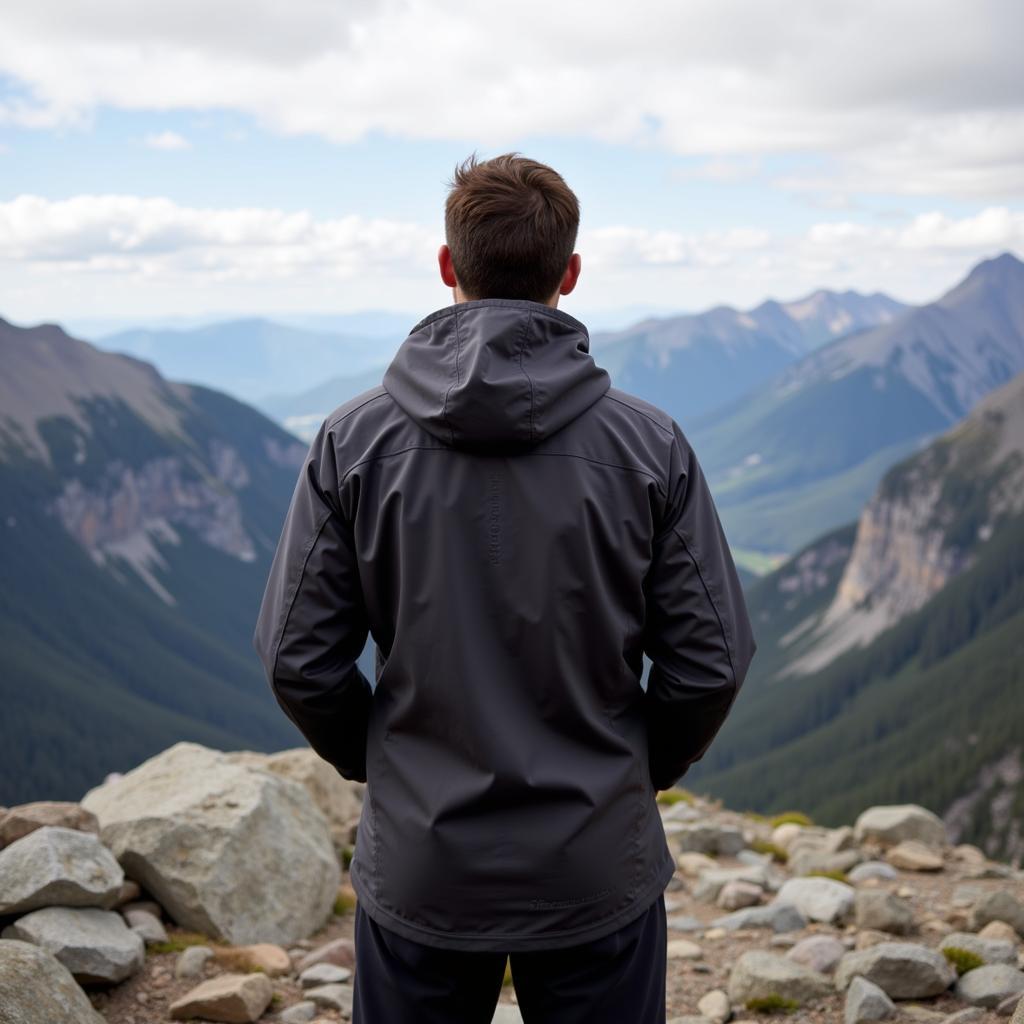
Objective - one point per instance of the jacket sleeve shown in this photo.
(312, 623)
(697, 631)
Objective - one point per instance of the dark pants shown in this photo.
(618, 978)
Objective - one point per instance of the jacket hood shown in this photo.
(495, 373)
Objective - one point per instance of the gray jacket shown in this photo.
(514, 533)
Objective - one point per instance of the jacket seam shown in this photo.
(711, 600)
(345, 415)
(522, 347)
(558, 315)
(639, 412)
(458, 378)
(295, 592)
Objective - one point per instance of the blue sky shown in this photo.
(250, 158)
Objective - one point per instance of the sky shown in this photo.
(249, 157)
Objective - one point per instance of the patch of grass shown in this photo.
(507, 980)
(344, 902)
(835, 873)
(772, 849)
(790, 817)
(347, 852)
(773, 1003)
(758, 816)
(179, 941)
(962, 959)
(675, 795)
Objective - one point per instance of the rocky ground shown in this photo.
(116, 909)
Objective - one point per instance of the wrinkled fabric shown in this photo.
(514, 533)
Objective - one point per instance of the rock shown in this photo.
(711, 882)
(777, 915)
(338, 951)
(893, 823)
(998, 930)
(992, 951)
(262, 956)
(713, 934)
(505, 1013)
(150, 906)
(35, 988)
(333, 997)
(191, 961)
(683, 949)
(17, 822)
(94, 945)
(324, 974)
(911, 1011)
(148, 926)
(753, 857)
(340, 800)
(873, 869)
(820, 899)
(1001, 905)
(738, 893)
(785, 833)
(757, 974)
(911, 855)
(990, 985)
(228, 997)
(684, 923)
(971, 1015)
(694, 864)
(1018, 1013)
(54, 866)
(808, 861)
(866, 1002)
(882, 911)
(185, 824)
(715, 1006)
(689, 1018)
(840, 839)
(298, 1013)
(719, 840)
(903, 970)
(819, 952)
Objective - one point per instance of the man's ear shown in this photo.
(444, 263)
(572, 273)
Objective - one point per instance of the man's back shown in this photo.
(515, 533)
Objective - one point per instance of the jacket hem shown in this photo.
(513, 942)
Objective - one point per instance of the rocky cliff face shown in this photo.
(925, 524)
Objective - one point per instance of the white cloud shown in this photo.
(153, 255)
(923, 96)
(167, 140)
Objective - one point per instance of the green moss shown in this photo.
(344, 902)
(773, 1003)
(772, 849)
(507, 980)
(790, 817)
(347, 854)
(962, 959)
(839, 876)
(674, 796)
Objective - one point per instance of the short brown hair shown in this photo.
(510, 224)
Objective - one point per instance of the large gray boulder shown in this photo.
(236, 852)
(95, 945)
(883, 911)
(1001, 905)
(893, 823)
(820, 899)
(990, 985)
(903, 970)
(35, 988)
(780, 917)
(53, 865)
(757, 974)
(715, 840)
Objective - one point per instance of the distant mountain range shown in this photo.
(802, 453)
(137, 522)
(890, 661)
(687, 363)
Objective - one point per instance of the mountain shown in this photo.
(137, 522)
(889, 662)
(251, 358)
(691, 364)
(800, 455)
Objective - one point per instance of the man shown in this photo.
(514, 533)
